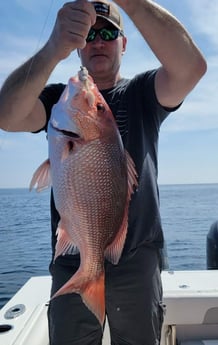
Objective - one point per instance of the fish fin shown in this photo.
(114, 250)
(131, 176)
(92, 293)
(42, 177)
(64, 243)
(94, 297)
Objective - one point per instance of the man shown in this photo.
(133, 287)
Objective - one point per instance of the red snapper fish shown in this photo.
(92, 177)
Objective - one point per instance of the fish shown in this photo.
(93, 178)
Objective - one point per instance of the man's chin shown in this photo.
(98, 68)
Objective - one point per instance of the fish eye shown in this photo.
(100, 107)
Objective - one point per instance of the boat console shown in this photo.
(191, 299)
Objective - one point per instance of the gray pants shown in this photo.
(133, 303)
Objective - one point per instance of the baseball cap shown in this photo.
(109, 11)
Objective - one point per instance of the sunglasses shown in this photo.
(106, 34)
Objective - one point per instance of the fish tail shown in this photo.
(92, 293)
(94, 298)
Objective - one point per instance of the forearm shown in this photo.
(20, 109)
(21, 89)
(165, 35)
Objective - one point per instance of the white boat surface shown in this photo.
(191, 315)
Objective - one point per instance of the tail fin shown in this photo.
(92, 293)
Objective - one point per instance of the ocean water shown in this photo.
(24, 238)
(187, 211)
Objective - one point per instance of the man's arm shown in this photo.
(20, 108)
(182, 63)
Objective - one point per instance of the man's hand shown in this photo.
(71, 28)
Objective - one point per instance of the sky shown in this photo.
(188, 138)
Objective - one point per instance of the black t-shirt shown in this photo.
(139, 116)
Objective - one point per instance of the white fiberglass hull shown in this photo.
(191, 299)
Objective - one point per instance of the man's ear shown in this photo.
(124, 44)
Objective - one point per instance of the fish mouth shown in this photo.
(66, 133)
(69, 134)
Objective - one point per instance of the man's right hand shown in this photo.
(71, 28)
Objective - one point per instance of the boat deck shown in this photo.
(191, 299)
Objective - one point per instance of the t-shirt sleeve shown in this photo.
(145, 97)
(50, 96)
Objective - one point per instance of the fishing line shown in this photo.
(33, 58)
(39, 41)
(3, 133)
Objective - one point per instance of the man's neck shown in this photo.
(107, 83)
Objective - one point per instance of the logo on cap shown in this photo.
(102, 8)
(110, 12)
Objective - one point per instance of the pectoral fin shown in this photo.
(42, 177)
